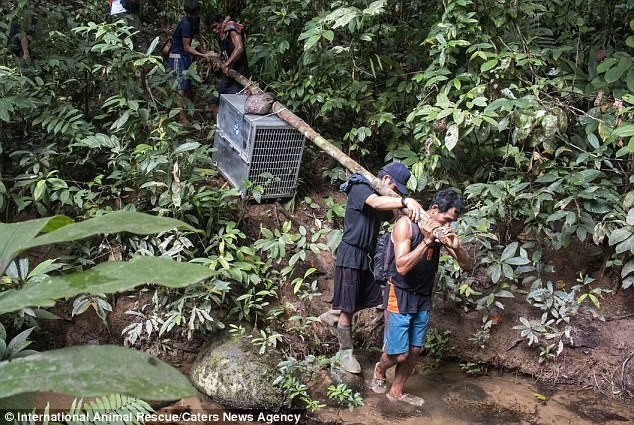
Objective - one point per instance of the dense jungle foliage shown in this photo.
(527, 107)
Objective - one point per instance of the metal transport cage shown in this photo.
(262, 149)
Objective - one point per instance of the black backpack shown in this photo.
(13, 41)
(384, 253)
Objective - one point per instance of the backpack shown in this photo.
(384, 253)
(13, 41)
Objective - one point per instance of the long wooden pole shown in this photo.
(296, 122)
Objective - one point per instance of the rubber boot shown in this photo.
(348, 362)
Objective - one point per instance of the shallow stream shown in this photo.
(453, 398)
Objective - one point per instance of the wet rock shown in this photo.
(322, 379)
(231, 372)
(352, 381)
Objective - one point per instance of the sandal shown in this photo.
(407, 398)
(378, 385)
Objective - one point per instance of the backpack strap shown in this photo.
(354, 178)
(388, 257)
(414, 230)
(389, 249)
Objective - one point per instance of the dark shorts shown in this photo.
(355, 290)
(179, 63)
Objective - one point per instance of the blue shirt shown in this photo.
(185, 29)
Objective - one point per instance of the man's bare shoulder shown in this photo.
(402, 229)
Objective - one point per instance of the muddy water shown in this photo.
(454, 398)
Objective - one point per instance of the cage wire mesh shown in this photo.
(263, 149)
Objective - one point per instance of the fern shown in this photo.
(112, 409)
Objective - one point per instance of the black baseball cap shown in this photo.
(400, 174)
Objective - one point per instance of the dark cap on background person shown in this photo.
(399, 173)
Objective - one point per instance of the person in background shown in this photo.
(408, 294)
(20, 34)
(355, 287)
(231, 40)
(129, 10)
(182, 53)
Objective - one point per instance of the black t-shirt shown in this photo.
(185, 29)
(360, 229)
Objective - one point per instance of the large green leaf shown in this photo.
(18, 237)
(13, 236)
(625, 130)
(88, 371)
(115, 222)
(105, 278)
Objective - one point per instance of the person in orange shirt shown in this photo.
(408, 294)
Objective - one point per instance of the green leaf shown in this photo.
(328, 35)
(629, 41)
(488, 65)
(547, 178)
(616, 72)
(585, 176)
(630, 217)
(557, 215)
(517, 261)
(606, 64)
(593, 140)
(626, 246)
(619, 235)
(597, 207)
(186, 147)
(19, 342)
(40, 187)
(504, 294)
(496, 273)
(311, 42)
(626, 130)
(90, 371)
(628, 268)
(12, 236)
(509, 251)
(105, 278)
(451, 138)
(480, 101)
(18, 237)
(115, 222)
(153, 45)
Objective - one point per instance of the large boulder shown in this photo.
(231, 372)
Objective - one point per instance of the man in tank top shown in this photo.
(408, 295)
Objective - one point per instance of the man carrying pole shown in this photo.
(408, 294)
(355, 287)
